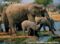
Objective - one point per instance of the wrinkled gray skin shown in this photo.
(47, 22)
(16, 13)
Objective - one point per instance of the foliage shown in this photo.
(44, 2)
(58, 6)
(54, 39)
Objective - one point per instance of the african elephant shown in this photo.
(16, 13)
(47, 22)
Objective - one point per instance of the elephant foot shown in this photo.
(52, 32)
(13, 35)
(9, 32)
(45, 30)
(13, 31)
(54, 29)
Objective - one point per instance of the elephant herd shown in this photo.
(27, 16)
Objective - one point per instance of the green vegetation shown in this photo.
(21, 33)
(20, 41)
(44, 2)
(14, 41)
(43, 33)
(54, 39)
(58, 6)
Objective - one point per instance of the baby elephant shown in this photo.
(46, 22)
(27, 25)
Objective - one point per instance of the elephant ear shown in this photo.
(33, 11)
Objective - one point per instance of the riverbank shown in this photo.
(54, 15)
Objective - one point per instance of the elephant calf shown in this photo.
(45, 22)
(28, 25)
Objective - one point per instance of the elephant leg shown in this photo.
(28, 30)
(11, 25)
(50, 29)
(0, 27)
(53, 27)
(23, 31)
(36, 33)
(40, 27)
(31, 32)
(44, 27)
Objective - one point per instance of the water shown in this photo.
(57, 25)
(44, 38)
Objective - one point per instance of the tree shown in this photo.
(44, 2)
(58, 6)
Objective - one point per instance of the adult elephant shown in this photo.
(16, 13)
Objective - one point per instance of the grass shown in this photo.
(41, 33)
(16, 41)
(21, 33)
(52, 39)
(44, 33)
(23, 40)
